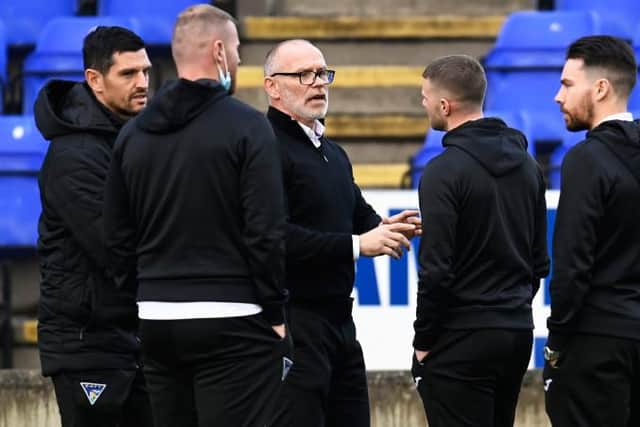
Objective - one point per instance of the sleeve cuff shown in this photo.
(557, 342)
(355, 242)
(424, 341)
(274, 314)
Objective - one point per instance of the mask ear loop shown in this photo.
(226, 67)
(226, 75)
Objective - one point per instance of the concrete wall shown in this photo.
(27, 400)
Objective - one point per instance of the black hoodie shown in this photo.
(483, 249)
(595, 287)
(195, 198)
(84, 321)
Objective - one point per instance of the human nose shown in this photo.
(559, 98)
(142, 79)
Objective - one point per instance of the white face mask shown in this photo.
(225, 78)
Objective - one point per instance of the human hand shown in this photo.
(420, 355)
(386, 239)
(280, 330)
(408, 216)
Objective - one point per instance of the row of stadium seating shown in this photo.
(523, 73)
(24, 20)
(519, 57)
(22, 151)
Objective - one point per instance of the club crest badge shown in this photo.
(286, 366)
(92, 391)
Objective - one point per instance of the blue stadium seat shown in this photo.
(433, 141)
(555, 161)
(569, 140)
(25, 19)
(156, 17)
(3, 62)
(634, 100)
(61, 57)
(624, 13)
(22, 150)
(432, 147)
(524, 68)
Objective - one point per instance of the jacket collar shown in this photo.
(285, 123)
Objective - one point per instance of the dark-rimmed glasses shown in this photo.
(308, 77)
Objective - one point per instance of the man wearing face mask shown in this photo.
(87, 329)
(194, 207)
(592, 369)
(329, 225)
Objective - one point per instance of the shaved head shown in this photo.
(282, 54)
(205, 45)
(195, 28)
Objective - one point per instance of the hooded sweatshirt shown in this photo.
(194, 199)
(84, 321)
(595, 287)
(483, 248)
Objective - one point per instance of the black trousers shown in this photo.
(213, 372)
(473, 378)
(596, 382)
(105, 398)
(327, 385)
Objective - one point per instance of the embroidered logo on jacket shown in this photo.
(92, 391)
(286, 366)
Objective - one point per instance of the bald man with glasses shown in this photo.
(329, 225)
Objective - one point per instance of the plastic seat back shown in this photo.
(61, 57)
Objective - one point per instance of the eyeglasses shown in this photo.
(308, 77)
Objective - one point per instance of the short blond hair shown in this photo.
(196, 24)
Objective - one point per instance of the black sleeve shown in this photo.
(317, 247)
(439, 211)
(262, 198)
(120, 227)
(540, 253)
(574, 242)
(312, 247)
(76, 189)
(364, 217)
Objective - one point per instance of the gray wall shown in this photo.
(27, 400)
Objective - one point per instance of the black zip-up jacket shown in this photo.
(483, 249)
(84, 321)
(195, 196)
(595, 287)
(324, 209)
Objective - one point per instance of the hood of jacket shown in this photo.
(497, 147)
(623, 139)
(67, 107)
(177, 103)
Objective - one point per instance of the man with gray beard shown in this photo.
(329, 225)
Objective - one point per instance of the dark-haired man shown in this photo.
(592, 370)
(482, 255)
(87, 331)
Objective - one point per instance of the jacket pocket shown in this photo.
(65, 298)
(111, 307)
